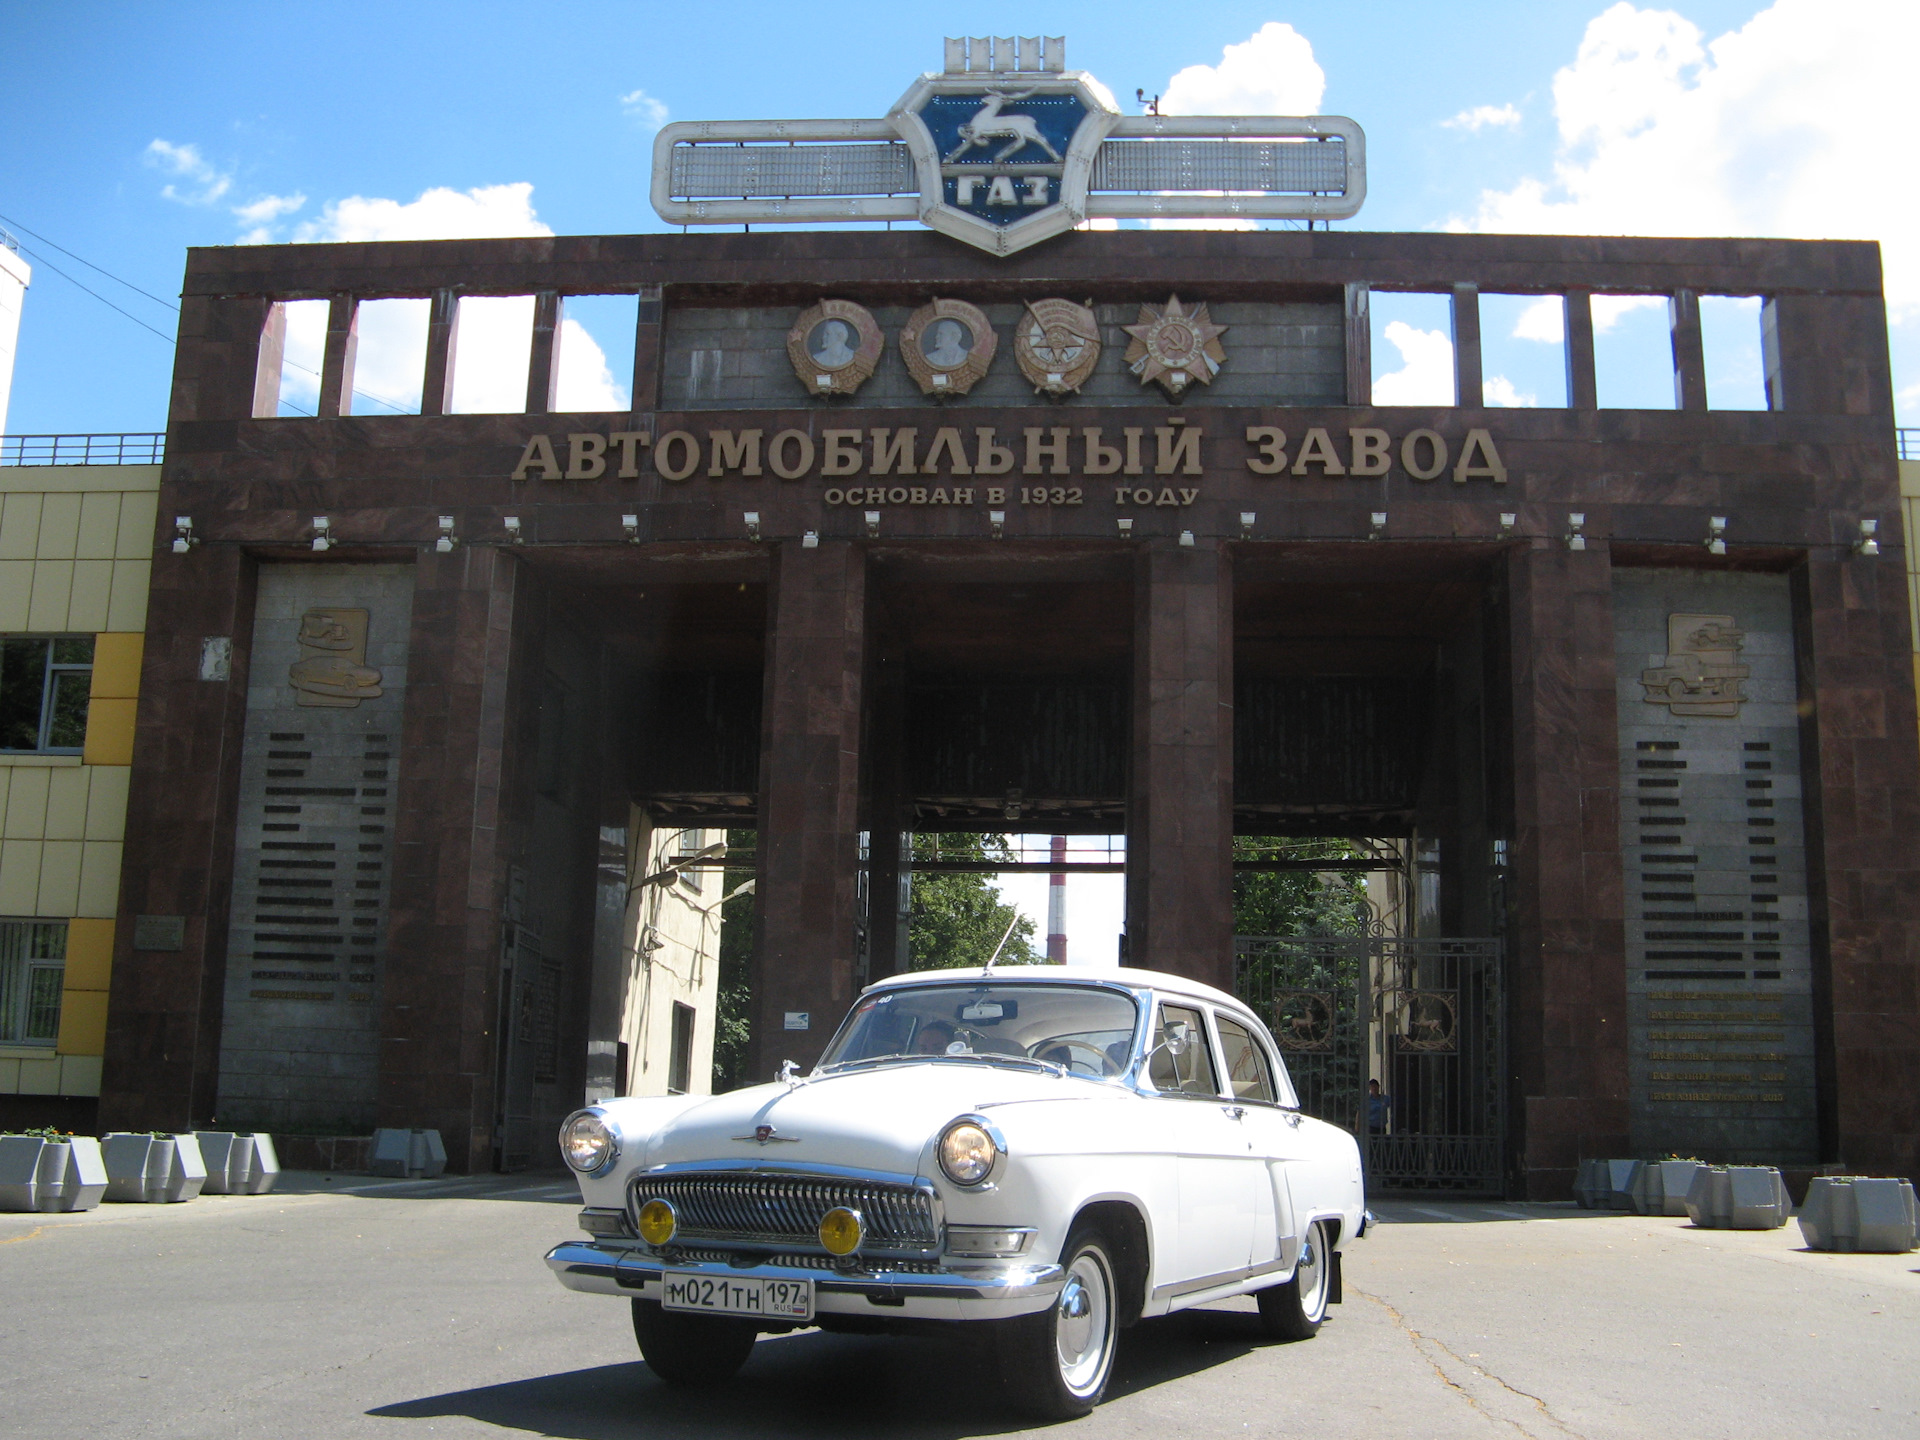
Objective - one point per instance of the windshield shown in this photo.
(1085, 1031)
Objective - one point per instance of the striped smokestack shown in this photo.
(1057, 906)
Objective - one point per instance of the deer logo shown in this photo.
(988, 124)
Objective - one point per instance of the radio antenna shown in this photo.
(987, 969)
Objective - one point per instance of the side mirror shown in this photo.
(1179, 1038)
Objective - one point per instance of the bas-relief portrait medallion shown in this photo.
(834, 347)
(948, 346)
(1057, 345)
(1701, 673)
(332, 670)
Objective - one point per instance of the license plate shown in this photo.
(743, 1295)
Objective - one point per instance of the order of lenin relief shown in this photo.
(1700, 674)
(332, 669)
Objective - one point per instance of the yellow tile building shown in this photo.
(76, 546)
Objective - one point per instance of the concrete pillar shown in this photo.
(1566, 958)
(1180, 802)
(163, 1017)
(437, 1004)
(809, 844)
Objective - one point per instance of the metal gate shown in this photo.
(1424, 1017)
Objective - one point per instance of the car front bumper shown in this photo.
(960, 1292)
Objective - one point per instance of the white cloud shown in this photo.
(1609, 310)
(1481, 116)
(1425, 376)
(1272, 72)
(204, 183)
(269, 207)
(641, 106)
(1498, 390)
(495, 335)
(1544, 320)
(1787, 126)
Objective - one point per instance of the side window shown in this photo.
(1246, 1062)
(1191, 1072)
(43, 692)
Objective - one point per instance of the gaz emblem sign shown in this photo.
(1003, 157)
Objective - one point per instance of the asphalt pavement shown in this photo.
(354, 1308)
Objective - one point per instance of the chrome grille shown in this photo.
(782, 1210)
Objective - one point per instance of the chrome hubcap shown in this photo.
(1312, 1275)
(1083, 1324)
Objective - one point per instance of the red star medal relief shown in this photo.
(1174, 346)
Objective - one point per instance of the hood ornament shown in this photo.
(767, 1135)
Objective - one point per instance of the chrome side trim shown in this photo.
(1176, 1289)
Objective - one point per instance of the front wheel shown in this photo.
(691, 1350)
(1055, 1364)
(1293, 1311)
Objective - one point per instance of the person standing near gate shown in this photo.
(1379, 1106)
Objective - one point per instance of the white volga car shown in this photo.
(1053, 1153)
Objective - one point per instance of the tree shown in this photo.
(957, 917)
(1297, 902)
(731, 1028)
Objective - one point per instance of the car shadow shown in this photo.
(814, 1384)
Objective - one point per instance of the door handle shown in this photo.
(1293, 1118)
(1238, 1112)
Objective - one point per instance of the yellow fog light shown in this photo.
(657, 1222)
(841, 1231)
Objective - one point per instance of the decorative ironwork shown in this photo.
(1424, 1017)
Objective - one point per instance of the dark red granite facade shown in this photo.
(1795, 480)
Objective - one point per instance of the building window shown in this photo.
(680, 1059)
(43, 692)
(689, 842)
(33, 963)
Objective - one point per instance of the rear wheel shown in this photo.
(1056, 1364)
(1293, 1311)
(691, 1350)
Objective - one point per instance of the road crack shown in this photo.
(1428, 1345)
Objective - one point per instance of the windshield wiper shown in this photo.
(990, 1056)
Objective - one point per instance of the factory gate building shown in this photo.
(1103, 537)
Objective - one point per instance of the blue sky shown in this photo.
(135, 131)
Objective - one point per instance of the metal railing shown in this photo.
(1909, 438)
(144, 449)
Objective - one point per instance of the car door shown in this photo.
(1273, 1136)
(1216, 1182)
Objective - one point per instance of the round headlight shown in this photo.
(840, 1230)
(967, 1153)
(657, 1222)
(588, 1142)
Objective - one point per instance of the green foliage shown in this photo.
(44, 1132)
(1297, 902)
(732, 1023)
(957, 918)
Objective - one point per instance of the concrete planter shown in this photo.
(86, 1178)
(237, 1163)
(1604, 1184)
(1738, 1197)
(410, 1154)
(1852, 1213)
(20, 1171)
(1659, 1187)
(153, 1170)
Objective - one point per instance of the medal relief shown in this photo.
(834, 347)
(332, 669)
(948, 346)
(1175, 346)
(1057, 345)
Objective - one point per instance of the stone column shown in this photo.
(809, 853)
(163, 1016)
(1180, 800)
(443, 948)
(1566, 958)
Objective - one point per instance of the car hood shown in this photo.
(882, 1118)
